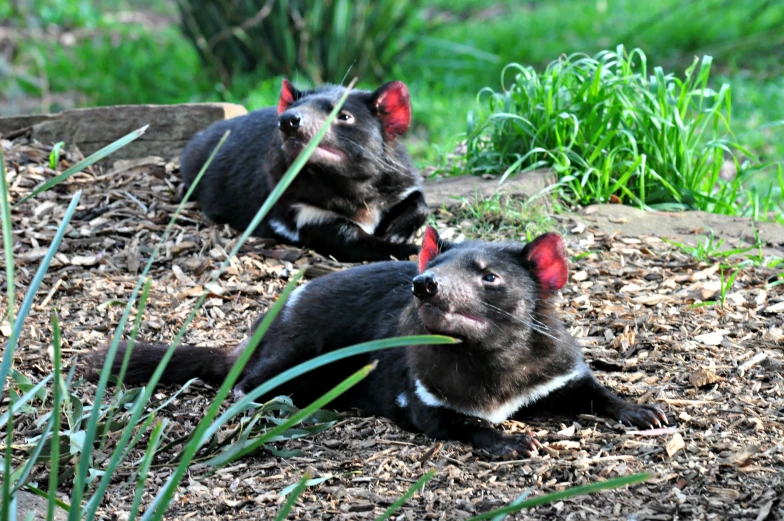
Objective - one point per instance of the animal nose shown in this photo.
(289, 122)
(424, 286)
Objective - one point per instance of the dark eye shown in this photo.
(345, 116)
(490, 278)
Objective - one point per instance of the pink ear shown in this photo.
(288, 95)
(547, 257)
(429, 248)
(394, 108)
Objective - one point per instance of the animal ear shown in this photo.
(546, 257)
(288, 95)
(429, 248)
(393, 106)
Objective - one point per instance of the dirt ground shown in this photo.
(630, 303)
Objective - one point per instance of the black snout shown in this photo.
(289, 122)
(424, 286)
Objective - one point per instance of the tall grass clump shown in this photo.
(320, 39)
(85, 440)
(615, 131)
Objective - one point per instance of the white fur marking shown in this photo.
(408, 191)
(292, 301)
(511, 406)
(307, 214)
(402, 400)
(427, 397)
(283, 230)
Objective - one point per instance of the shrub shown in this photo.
(324, 40)
(613, 132)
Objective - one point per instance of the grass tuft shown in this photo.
(613, 130)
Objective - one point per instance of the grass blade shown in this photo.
(155, 439)
(327, 358)
(23, 400)
(564, 494)
(405, 497)
(8, 247)
(320, 403)
(283, 513)
(58, 396)
(27, 303)
(8, 240)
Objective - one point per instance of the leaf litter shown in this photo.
(635, 304)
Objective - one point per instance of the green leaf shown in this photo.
(309, 483)
(297, 491)
(77, 442)
(54, 156)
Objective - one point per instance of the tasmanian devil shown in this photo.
(515, 355)
(358, 198)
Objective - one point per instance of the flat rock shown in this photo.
(27, 503)
(684, 227)
(170, 127)
(450, 191)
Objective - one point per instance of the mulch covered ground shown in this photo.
(630, 302)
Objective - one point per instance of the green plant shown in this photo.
(709, 248)
(502, 215)
(323, 40)
(612, 131)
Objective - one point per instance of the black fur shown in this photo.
(511, 342)
(371, 200)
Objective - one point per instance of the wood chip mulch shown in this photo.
(633, 303)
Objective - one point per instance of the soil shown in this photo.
(638, 306)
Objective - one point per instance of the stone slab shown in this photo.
(683, 227)
(449, 191)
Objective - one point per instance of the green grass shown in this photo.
(614, 126)
(500, 217)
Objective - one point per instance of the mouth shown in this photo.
(322, 154)
(449, 321)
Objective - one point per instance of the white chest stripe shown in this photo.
(505, 410)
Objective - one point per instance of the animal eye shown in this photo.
(490, 278)
(345, 116)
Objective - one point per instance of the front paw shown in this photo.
(513, 447)
(643, 416)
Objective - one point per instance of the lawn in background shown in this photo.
(113, 57)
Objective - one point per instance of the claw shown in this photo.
(657, 422)
(664, 418)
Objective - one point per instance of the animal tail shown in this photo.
(211, 364)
